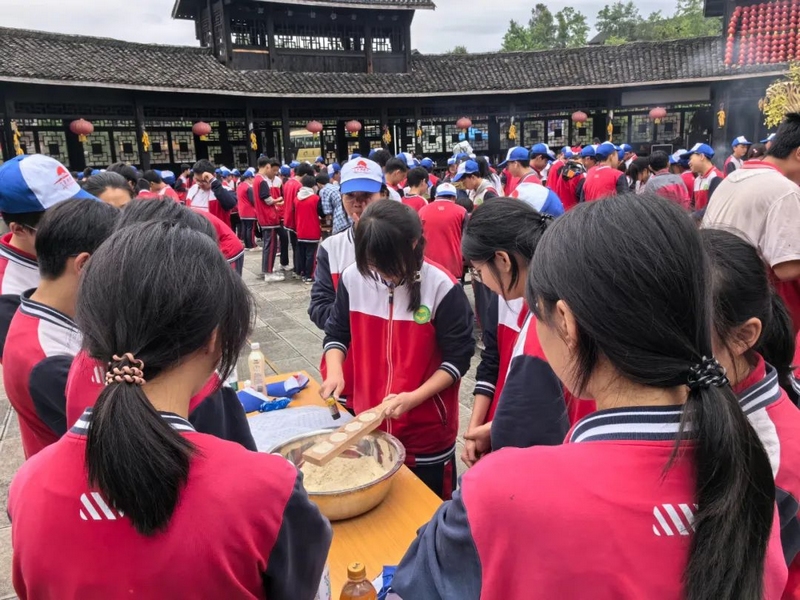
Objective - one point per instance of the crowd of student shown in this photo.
(634, 432)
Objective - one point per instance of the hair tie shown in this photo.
(125, 369)
(705, 374)
(544, 218)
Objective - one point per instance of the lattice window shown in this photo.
(557, 132)
(432, 140)
(641, 128)
(126, 146)
(581, 134)
(215, 154)
(183, 147)
(237, 133)
(332, 38)
(97, 149)
(331, 147)
(114, 124)
(54, 143)
(669, 128)
(167, 124)
(621, 134)
(27, 141)
(532, 133)
(410, 139)
(381, 44)
(372, 130)
(159, 146)
(249, 32)
(72, 110)
(352, 146)
(239, 155)
(506, 143)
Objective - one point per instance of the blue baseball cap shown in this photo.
(517, 154)
(97, 171)
(462, 156)
(626, 148)
(699, 148)
(225, 171)
(236, 172)
(320, 160)
(540, 149)
(446, 190)
(354, 156)
(251, 172)
(565, 149)
(334, 168)
(587, 151)
(451, 161)
(407, 158)
(34, 183)
(427, 163)
(218, 171)
(294, 164)
(469, 167)
(620, 152)
(168, 177)
(768, 139)
(285, 170)
(361, 175)
(605, 150)
(675, 157)
(741, 141)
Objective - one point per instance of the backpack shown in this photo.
(572, 169)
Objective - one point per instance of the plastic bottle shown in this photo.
(256, 362)
(357, 586)
(233, 380)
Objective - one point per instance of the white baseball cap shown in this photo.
(446, 190)
(361, 175)
(34, 183)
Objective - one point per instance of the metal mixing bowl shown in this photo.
(348, 503)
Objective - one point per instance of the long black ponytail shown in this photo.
(159, 291)
(635, 276)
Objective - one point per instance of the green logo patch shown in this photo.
(422, 315)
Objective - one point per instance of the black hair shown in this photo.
(130, 174)
(69, 229)
(142, 186)
(304, 169)
(507, 225)
(757, 151)
(263, 161)
(322, 179)
(741, 291)
(396, 164)
(185, 167)
(384, 191)
(381, 156)
(143, 210)
(152, 177)
(204, 166)
(160, 291)
(273, 162)
(787, 138)
(87, 172)
(28, 219)
(538, 154)
(384, 241)
(416, 176)
(97, 184)
(483, 167)
(658, 161)
(638, 286)
(308, 181)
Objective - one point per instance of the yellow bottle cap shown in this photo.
(356, 571)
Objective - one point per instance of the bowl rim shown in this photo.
(401, 450)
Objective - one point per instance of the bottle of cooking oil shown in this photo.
(358, 587)
(256, 362)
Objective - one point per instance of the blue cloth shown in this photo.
(289, 387)
(331, 200)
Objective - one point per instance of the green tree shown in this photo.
(619, 20)
(623, 23)
(459, 50)
(545, 31)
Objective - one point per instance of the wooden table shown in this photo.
(381, 536)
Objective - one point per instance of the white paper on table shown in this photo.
(271, 429)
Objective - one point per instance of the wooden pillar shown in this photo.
(368, 47)
(252, 155)
(341, 142)
(144, 157)
(287, 138)
(8, 133)
(494, 138)
(407, 40)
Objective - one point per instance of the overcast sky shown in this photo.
(477, 24)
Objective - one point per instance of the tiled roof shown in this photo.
(65, 59)
(763, 33)
(185, 9)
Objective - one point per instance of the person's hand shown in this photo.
(332, 386)
(398, 404)
(205, 178)
(470, 456)
(479, 440)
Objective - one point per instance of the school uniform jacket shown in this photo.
(41, 345)
(704, 186)
(243, 528)
(414, 201)
(229, 244)
(244, 201)
(307, 214)
(777, 422)
(396, 350)
(601, 182)
(731, 164)
(568, 190)
(531, 409)
(219, 201)
(554, 173)
(499, 337)
(669, 186)
(596, 517)
(290, 189)
(485, 191)
(443, 223)
(264, 196)
(19, 271)
(215, 410)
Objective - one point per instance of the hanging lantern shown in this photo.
(353, 127)
(721, 114)
(464, 124)
(82, 128)
(657, 114)
(512, 130)
(145, 141)
(253, 141)
(18, 151)
(314, 127)
(418, 132)
(387, 136)
(579, 117)
(201, 129)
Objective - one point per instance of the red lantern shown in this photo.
(82, 128)
(353, 127)
(201, 129)
(579, 117)
(464, 123)
(657, 114)
(314, 127)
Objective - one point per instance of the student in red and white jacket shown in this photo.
(308, 211)
(517, 164)
(417, 182)
(499, 242)
(208, 193)
(443, 223)
(291, 186)
(215, 409)
(43, 338)
(604, 180)
(407, 325)
(755, 344)
(247, 209)
(708, 177)
(270, 541)
(652, 513)
(266, 197)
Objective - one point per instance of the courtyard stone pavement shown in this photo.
(289, 340)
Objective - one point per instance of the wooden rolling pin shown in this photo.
(337, 442)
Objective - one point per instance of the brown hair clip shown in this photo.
(132, 372)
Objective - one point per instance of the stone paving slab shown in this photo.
(289, 340)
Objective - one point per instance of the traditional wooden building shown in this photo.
(265, 69)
